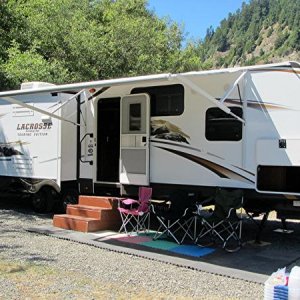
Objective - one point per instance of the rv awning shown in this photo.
(85, 85)
(9, 96)
(79, 87)
(76, 87)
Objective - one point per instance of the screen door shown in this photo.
(134, 146)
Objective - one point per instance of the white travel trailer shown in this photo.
(231, 128)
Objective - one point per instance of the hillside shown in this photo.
(262, 31)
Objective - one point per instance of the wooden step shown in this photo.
(106, 202)
(86, 211)
(93, 213)
(77, 223)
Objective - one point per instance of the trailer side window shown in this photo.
(223, 127)
(167, 100)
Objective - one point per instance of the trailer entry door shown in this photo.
(134, 146)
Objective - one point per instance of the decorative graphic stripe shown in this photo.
(168, 142)
(256, 105)
(213, 167)
(246, 171)
(195, 149)
(259, 105)
(16, 143)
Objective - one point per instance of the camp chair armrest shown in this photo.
(231, 210)
(157, 205)
(188, 209)
(231, 213)
(129, 201)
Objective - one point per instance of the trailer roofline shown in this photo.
(132, 80)
(290, 64)
(86, 85)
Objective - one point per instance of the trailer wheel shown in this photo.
(69, 196)
(43, 201)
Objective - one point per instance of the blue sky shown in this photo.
(196, 15)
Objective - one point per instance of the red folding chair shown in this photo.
(135, 214)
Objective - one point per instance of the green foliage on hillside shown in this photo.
(80, 40)
(261, 31)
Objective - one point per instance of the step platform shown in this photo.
(92, 213)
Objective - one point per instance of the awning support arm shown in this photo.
(44, 112)
(70, 99)
(200, 91)
(229, 91)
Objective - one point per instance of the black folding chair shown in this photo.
(223, 224)
(174, 218)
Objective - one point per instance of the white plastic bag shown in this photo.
(277, 278)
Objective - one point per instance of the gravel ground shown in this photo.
(36, 266)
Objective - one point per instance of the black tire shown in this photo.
(69, 196)
(43, 201)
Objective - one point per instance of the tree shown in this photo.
(89, 40)
(136, 41)
(9, 27)
(31, 66)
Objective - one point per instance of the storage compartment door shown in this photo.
(278, 166)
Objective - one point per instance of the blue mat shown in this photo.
(192, 250)
(188, 250)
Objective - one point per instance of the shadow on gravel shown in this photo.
(254, 262)
(15, 215)
(37, 258)
(8, 247)
(275, 250)
(19, 204)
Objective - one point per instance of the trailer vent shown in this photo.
(20, 111)
(278, 179)
(35, 85)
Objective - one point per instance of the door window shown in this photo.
(135, 117)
